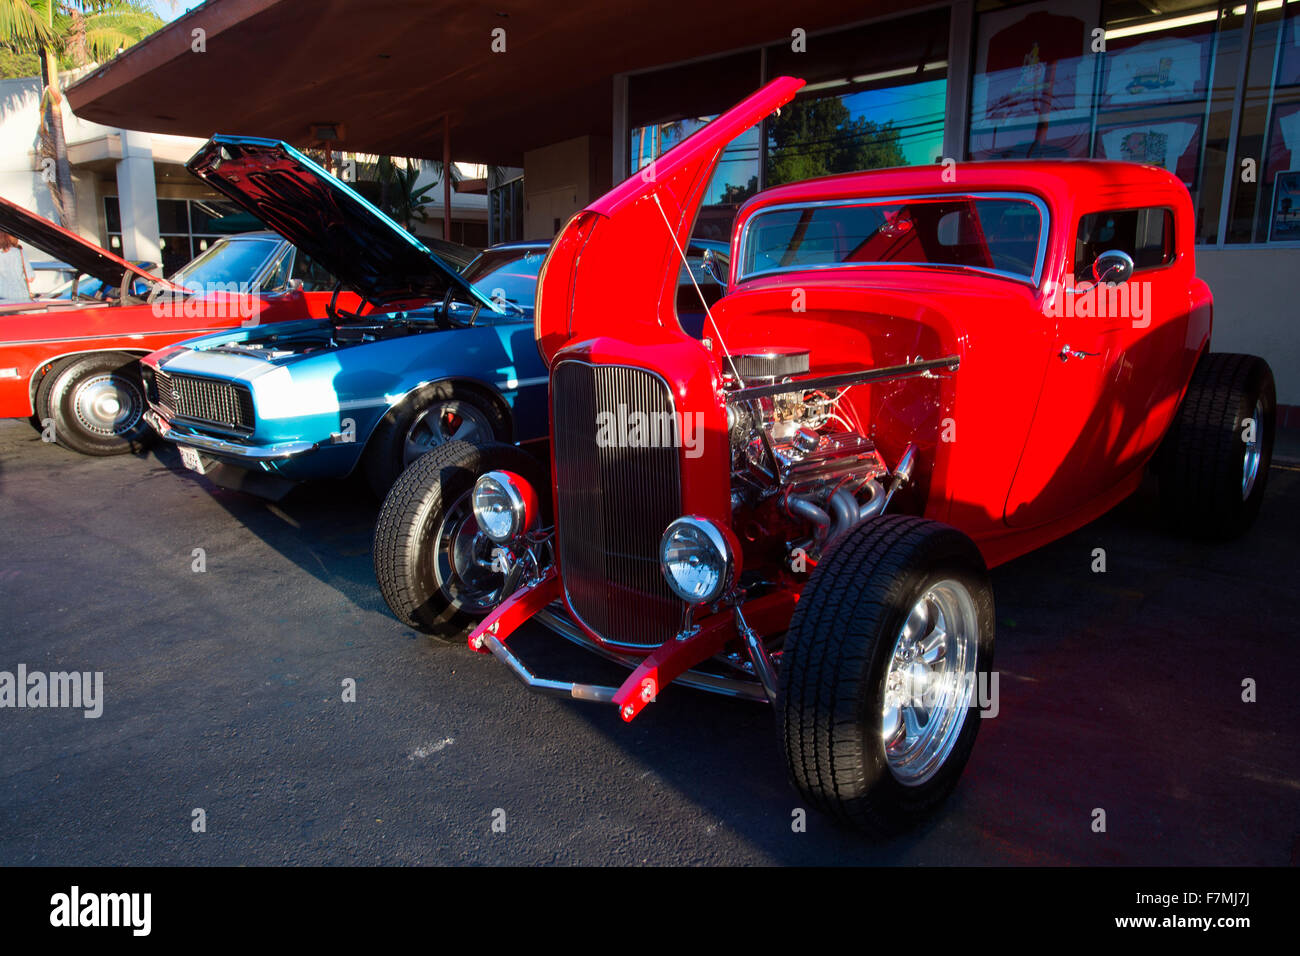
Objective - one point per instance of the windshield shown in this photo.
(230, 259)
(999, 234)
(507, 276)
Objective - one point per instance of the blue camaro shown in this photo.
(426, 355)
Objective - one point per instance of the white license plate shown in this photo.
(190, 459)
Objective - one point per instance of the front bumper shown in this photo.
(251, 454)
(676, 661)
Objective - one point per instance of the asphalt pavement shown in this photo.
(224, 691)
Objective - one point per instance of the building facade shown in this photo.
(1209, 92)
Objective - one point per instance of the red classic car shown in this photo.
(914, 374)
(72, 365)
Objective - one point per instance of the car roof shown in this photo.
(1060, 181)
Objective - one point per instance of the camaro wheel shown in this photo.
(890, 644)
(97, 403)
(1214, 462)
(427, 421)
(434, 565)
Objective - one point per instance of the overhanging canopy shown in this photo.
(387, 71)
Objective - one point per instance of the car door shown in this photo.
(1088, 428)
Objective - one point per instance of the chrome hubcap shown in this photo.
(462, 564)
(1250, 464)
(929, 682)
(107, 405)
(442, 422)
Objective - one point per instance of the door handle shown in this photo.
(1068, 353)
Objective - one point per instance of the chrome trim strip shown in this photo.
(589, 692)
(219, 447)
(555, 619)
(1039, 261)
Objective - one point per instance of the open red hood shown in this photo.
(69, 247)
(621, 252)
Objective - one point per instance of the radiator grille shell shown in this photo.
(613, 503)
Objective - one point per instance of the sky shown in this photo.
(171, 9)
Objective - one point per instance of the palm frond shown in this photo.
(23, 25)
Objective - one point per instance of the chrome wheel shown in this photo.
(443, 422)
(107, 405)
(929, 682)
(1250, 464)
(462, 566)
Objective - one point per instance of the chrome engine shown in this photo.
(803, 449)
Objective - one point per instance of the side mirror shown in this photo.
(713, 265)
(293, 285)
(1113, 267)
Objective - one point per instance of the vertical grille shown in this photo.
(614, 502)
(206, 400)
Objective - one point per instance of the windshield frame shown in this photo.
(1034, 280)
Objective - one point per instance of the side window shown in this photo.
(314, 277)
(1145, 234)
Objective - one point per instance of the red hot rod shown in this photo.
(914, 374)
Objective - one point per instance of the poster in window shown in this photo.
(1171, 144)
(1146, 70)
(1034, 63)
(1286, 207)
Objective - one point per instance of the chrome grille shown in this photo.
(614, 503)
(206, 400)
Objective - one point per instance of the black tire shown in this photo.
(835, 663)
(411, 524)
(85, 425)
(386, 456)
(41, 394)
(1202, 461)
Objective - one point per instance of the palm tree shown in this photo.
(69, 33)
(398, 195)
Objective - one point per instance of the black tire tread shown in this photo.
(414, 497)
(850, 597)
(1199, 464)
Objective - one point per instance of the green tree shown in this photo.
(64, 34)
(820, 137)
(398, 195)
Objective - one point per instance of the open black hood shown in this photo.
(69, 247)
(329, 221)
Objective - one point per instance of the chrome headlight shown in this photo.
(501, 505)
(696, 559)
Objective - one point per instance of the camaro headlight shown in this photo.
(501, 505)
(696, 558)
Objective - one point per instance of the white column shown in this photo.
(138, 199)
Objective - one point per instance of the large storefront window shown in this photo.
(186, 226)
(875, 97)
(1169, 88)
(1266, 207)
